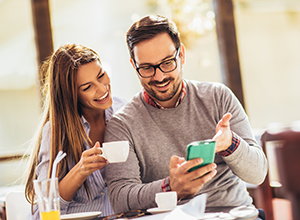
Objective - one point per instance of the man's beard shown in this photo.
(161, 95)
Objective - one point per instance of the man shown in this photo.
(160, 121)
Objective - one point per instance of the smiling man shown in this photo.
(170, 112)
(162, 82)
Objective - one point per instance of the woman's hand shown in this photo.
(91, 160)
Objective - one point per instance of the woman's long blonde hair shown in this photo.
(61, 108)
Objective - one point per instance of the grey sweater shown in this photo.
(155, 135)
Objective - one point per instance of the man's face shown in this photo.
(164, 88)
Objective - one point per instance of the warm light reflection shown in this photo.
(275, 184)
(194, 18)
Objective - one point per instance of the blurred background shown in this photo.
(268, 33)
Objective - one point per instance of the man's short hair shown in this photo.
(149, 27)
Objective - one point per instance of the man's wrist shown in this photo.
(236, 140)
(166, 185)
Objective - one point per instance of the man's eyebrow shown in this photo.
(167, 57)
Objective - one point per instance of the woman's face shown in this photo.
(93, 85)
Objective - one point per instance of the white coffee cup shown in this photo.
(116, 151)
(166, 200)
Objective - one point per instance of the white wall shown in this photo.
(269, 49)
(268, 46)
(101, 25)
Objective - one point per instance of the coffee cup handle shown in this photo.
(103, 154)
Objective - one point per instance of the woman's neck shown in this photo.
(97, 125)
(96, 121)
(94, 117)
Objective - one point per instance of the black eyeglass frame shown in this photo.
(127, 215)
(158, 65)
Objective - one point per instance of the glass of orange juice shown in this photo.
(47, 195)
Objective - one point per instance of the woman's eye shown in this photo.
(101, 75)
(86, 88)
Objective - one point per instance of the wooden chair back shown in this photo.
(288, 161)
(286, 148)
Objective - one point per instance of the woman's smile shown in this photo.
(103, 98)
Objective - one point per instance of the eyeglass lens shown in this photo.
(165, 67)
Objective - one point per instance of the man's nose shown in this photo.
(159, 75)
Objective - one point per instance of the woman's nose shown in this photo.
(101, 87)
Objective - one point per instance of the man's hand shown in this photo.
(185, 183)
(223, 136)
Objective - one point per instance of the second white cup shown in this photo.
(166, 200)
(116, 151)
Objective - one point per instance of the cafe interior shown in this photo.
(252, 46)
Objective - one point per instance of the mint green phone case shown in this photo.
(201, 149)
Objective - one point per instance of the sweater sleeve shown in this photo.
(126, 190)
(248, 161)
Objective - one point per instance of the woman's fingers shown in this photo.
(91, 160)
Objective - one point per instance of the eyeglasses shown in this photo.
(127, 215)
(147, 71)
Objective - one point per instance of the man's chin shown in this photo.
(163, 98)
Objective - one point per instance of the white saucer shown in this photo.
(81, 216)
(158, 210)
(244, 212)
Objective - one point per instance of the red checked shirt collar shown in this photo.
(151, 102)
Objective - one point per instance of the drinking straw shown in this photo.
(58, 158)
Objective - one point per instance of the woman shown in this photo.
(77, 106)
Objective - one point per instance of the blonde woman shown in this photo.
(78, 104)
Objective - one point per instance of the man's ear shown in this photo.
(132, 62)
(182, 53)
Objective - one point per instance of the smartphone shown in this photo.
(201, 149)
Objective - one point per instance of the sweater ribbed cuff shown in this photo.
(234, 145)
(166, 185)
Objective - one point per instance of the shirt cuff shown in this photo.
(236, 140)
(63, 205)
(166, 185)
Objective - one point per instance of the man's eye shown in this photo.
(146, 68)
(168, 62)
(86, 88)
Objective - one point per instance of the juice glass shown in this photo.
(47, 195)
